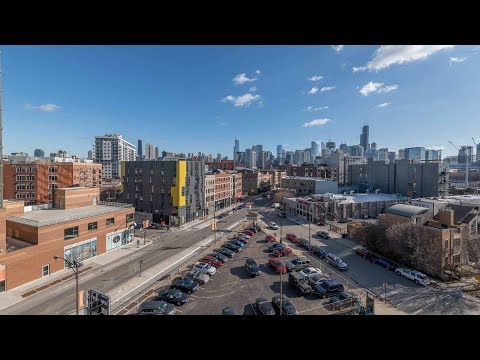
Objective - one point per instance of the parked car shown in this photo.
(273, 226)
(243, 235)
(243, 240)
(315, 278)
(415, 276)
(275, 246)
(278, 265)
(342, 221)
(328, 288)
(252, 267)
(252, 229)
(310, 270)
(249, 232)
(282, 214)
(205, 268)
(239, 243)
(231, 246)
(297, 264)
(156, 308)
(292, 238)
(342, 300)
(228, 311)
(270, 238)
(173, 296)
(387, 264)
(318, 250)
(282, 252)
(323, 234)
(211, 261)
(219, 256)
(187, 285)
(264, 306)
(365, 253)
(286, 307)
(336, 261)
(300, 283)
(304, 243)
(198, 276)
(227, 252)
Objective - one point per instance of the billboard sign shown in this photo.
(97, 303)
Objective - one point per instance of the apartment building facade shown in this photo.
(171, 190)
(34, 182)
(110, 151)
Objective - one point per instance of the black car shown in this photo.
(282, 215)
(173, 296)
(304, 243)
(385, 263)
(264, 306)
(276, 246)
(287, 307)
(318, 250)
(219, 256)
(239, 243)
(231, 246)
(252, 267)
(224, 251)
(187, 285)
(328, 288)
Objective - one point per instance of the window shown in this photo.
(30, 186)
(30, 177)
(20, 187)
(52, 186)
(110, 221)
(70, 233)
(20, 178)
(45, 270)
(52, 169)
(130, 217)
(52, 177)
(92, 226)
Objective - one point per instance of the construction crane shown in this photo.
(466, 165)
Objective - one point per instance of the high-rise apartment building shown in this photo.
(236, 149)
(314, 149)
(110, 150)
(279, 152)
(149, 151)
(250, 158)
(157, 153)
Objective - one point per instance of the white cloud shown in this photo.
(327, 88)
(258, 72)
(44, 108)
(385, 104)
(242, 100)
(388, 88)
(316, 122)
(253, 89)
(315, 78)
(358, 69)
(387, 55)
(313, 90)
(373, 87)
(242, 79)
(455, 59)
(311, 108)
(337, 48)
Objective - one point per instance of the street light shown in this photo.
(74, 266)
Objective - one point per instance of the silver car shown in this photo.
(198, 276)
(205, 268)
(336, 261)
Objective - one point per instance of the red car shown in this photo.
(365, 253)
(270, 238)
(278, 265)
(210, 260)
(282, 252)
(248, 232)
(293, 238)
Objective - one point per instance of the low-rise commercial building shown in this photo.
(255, 182)
(78, 227)
(309, 185)
(221, 165)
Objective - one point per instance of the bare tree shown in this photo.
(280, 194)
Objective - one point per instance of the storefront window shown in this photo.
(81, 251)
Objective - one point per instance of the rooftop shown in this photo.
(307, 178)
(46, 217)
(406, 210)
(353, 198)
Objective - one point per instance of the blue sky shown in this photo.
(200, 98)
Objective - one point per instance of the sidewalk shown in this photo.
(102, 261)
(202, 221)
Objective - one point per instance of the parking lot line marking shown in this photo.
(217, 296)
(314, 308)
(411, 297)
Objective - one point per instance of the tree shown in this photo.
(280, 194)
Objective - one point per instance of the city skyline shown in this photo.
(104, 90)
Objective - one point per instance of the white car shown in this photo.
(413, 275)
(310, 270)
(205, 268)
(273, 226)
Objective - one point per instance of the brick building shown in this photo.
(34, 182)
(223, 190)
(78, 227)
(255, 182)
(317, 171)
(222, 165)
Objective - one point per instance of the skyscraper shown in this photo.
(250, 158)
(343, 147)
(90, 155)
(258, 151)
(149, 152)
(279, 152)
(314, 149)
(110, 151)
(156, 153)
(236, 149)
(39, 153)
(374, 145)
(364, 138)
(140, 149)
